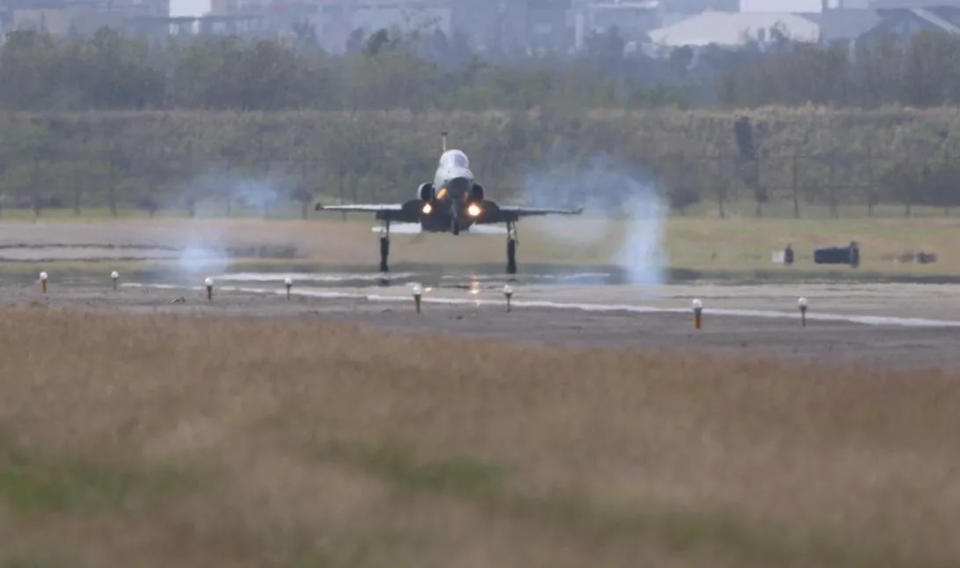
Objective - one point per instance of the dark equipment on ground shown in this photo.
(838, 255)
(788, 255)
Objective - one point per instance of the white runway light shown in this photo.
(508, 293)
(288, 282)
(115, 278)
(417, 295)
(803, 304)
(43, 282)
(208, 284)
(697, 313)
(601, 308)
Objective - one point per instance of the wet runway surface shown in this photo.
(907, 305)
(899, 326)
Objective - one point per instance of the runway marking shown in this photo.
(875, 321)
(529, 277)
(308, 277)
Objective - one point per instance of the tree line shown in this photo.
(228, 163)
(920, 71)
(382, 71)
(430, 71)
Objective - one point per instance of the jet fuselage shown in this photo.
(455, 204)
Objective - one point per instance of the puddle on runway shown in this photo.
(332, 278)
(478, 301)
(431, 275)
(198, 266)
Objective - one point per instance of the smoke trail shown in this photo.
(224, 193)
(623, 204)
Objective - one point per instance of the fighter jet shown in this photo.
(453, 203)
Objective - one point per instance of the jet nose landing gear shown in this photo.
(385, 248)
(455, 206)
(511, 248)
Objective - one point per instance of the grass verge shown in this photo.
(334, 445)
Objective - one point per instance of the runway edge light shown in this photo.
(288, 283)
(417, 295)
(697, 305)
(803, 303)
(508, 292)
(43, 282)
(208, 284)
(115, 278)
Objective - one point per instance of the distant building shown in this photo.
(727, 29)
(331, 22)
(847, 26)
(632, 19)
(782, 6)
(62, 17)
(338, 19)
(270, 18)
(515, 26)
(892, 4)
(697, 6)
(6, 18)
(864, 25)
(547, 25)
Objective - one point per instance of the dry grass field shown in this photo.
(736, 246)
(188, 441)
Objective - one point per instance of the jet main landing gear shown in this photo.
(511, 248)
(385, 247)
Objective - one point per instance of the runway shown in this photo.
(907, 305)
(900, 326)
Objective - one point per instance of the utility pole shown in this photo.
(832, 186)
(721, 190)
(796, 197)
(871, 181)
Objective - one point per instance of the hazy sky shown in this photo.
(780, 5)
(201, 7)
(795, 5)
(189, 7)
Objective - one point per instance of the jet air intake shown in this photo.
(425, 192)
(476, 193)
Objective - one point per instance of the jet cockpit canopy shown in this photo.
(454, 159)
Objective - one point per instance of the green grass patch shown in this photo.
(32, 484)
(22, 561)
(398, 465)
(679, 531)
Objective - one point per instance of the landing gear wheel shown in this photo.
(385, 247)
(384, 253)
(511, 248)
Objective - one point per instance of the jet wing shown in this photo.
(408, 212)
(493, 213)
(417, 229)
(359, 208)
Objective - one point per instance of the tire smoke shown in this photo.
(624, 213)
(225, 193)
